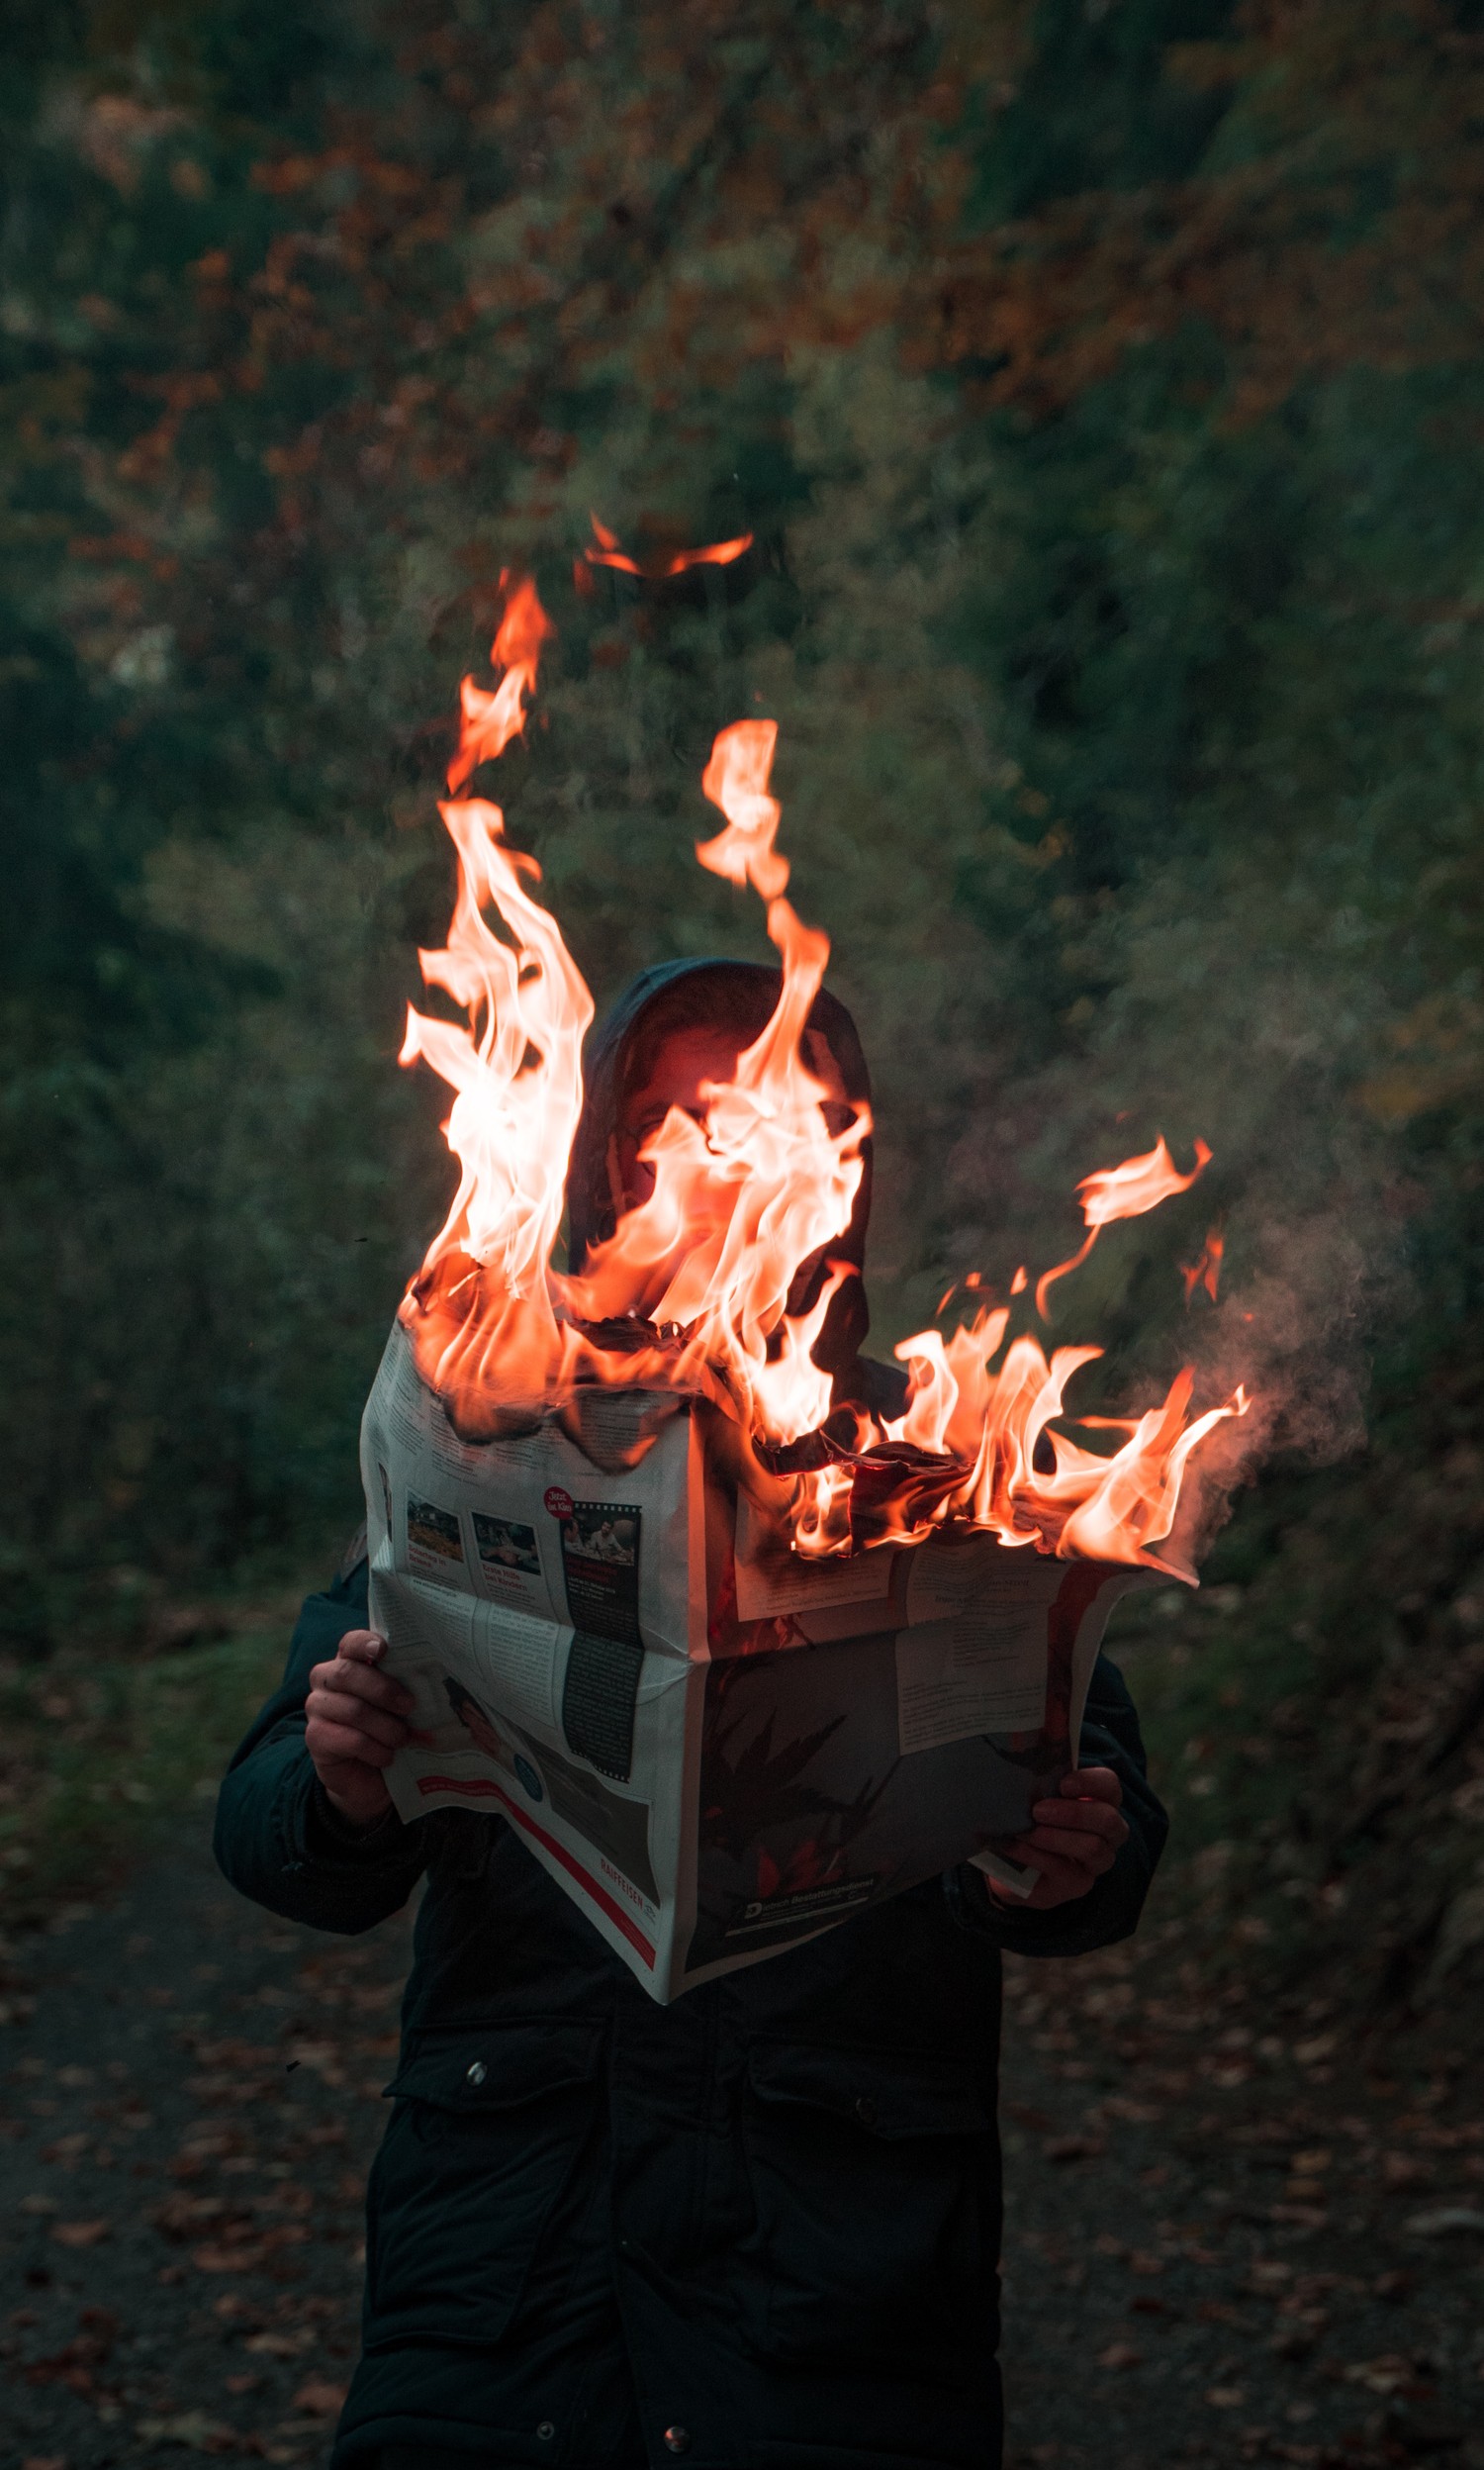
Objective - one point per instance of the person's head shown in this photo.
(686, 1062)
(678, 1030)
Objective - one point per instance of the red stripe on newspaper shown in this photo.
(483, 1787)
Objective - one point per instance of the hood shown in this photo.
(739, 995)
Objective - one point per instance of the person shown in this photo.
(760, 2226)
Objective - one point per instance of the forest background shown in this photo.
(1102, 382)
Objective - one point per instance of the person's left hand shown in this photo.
(1071, 1840)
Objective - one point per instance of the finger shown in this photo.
(1088, 1852)
(335, 1745)
(1093, 1783)
(1059, 1883)
(361, 1680)
(353, 1681)
(326, 1706)
(362, 1646)
(1091, 1818)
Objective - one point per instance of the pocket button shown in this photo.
(866, 2111)
(677, 2439)
(477, 2073)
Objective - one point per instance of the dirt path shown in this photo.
(1225, 2244)
(1230, 2239)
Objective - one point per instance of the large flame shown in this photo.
(741, 1202)
(698, 1276)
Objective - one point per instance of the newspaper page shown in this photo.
(539, 1609)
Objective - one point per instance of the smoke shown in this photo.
(1297, 1328)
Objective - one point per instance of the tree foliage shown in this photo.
(1102, 387)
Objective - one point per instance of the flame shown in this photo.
(1206, 1271)
(660, 569)
(736, 781)
(516, 1071)
(742, 1202)
(488, 722)
(1125, 1192)
(749, 1195)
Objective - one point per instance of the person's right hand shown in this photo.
(357, 1722)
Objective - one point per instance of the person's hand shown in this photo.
(357, 1723)
(1071, 1840)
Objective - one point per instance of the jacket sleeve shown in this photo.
(1111, 1907)
(277, 1838)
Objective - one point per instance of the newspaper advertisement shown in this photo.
(716, 1746)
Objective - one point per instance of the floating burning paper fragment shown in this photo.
(698, 1275)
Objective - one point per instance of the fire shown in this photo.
(742, 1202)
(736, 781)
(1205, 1271)
(1125, 1192)
(660, 569)
(489, 722)
(701, 1273)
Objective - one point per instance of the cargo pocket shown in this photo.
(875, 2180)
(486, 2134)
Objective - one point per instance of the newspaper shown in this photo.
(716, 1748)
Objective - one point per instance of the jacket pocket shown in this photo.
(488, 2130)
(875, 2180)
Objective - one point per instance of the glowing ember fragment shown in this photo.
(659, 569)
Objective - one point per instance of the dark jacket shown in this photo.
(778, 2201)
(770, 2213)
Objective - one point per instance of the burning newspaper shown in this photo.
(716, 1747)
(735, 1656)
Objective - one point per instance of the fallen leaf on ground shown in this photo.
(1386, 2375)
(218, 2259)
(1404, 2169)
(1443, 2219)
(80, 2234)
(191, 2427)
(1120, 2355)
(321, 2400)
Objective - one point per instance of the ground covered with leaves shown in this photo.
(1234, 2234)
